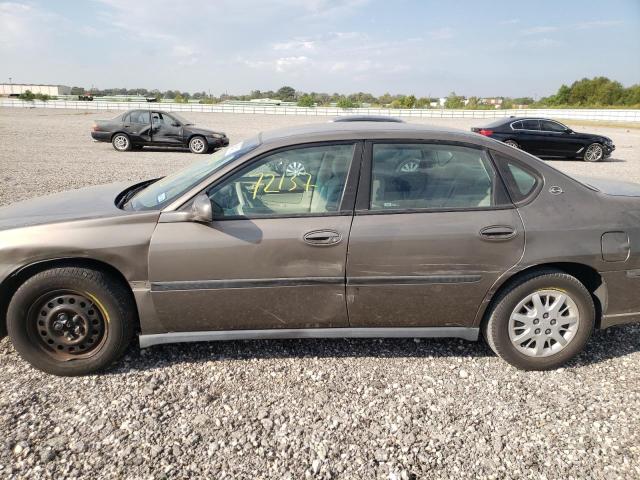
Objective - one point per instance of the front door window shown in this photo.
(308, 180)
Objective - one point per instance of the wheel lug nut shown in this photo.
(553, 322)
(536, 321)
(537, 331)
(546, 315)
(548, 331)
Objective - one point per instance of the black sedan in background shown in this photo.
(138, 128)
(548, 138)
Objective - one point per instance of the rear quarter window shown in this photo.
(522, 181)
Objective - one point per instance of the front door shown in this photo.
(274, 257)
(433, 230)
(558, 141)
(165, 130)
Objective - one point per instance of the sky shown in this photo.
(425, 48)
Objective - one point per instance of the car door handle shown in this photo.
(498, 232)
(322, 237)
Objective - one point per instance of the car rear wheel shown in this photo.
(198, 145)
(512, 143)
(541, 321)
(594, 153)
(121, 142)
(71, 321)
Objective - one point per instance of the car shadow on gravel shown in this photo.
(604, 345)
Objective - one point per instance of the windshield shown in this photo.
(161, 193)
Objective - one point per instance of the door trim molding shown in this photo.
(466, 333)
(244, 283)
(310, 281)
(412, 280)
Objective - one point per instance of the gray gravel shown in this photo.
(358, 409)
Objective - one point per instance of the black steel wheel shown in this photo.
(67, 324)
(71, 321)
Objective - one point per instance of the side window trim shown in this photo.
(348, 195)
(509, 181)
(363, 197)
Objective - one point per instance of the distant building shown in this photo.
(15, 89)
(496, 102)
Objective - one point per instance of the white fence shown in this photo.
(616, 115)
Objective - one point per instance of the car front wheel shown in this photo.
(121, 142)
(541, 321)
(198, 145)
(71, 321)
(594, 153)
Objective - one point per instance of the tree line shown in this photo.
(594, 92)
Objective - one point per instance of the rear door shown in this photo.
(530, 136)
(274, 256)
(137, 124)
(429, 240)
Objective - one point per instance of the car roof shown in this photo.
(367, 130)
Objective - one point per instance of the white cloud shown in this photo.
(295, 45)
(290, 64)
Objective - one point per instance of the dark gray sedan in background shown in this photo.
(136, 129)
(388, 230)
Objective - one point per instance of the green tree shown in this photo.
(454, 101)
(306, 100)
(286, 94)
(345, 102)
(27, 95)
(473, 103)
(409, 101)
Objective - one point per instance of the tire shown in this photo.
(198, 144)
(121, 142)
(499, 328)
(593, 153)
(98, 327)
(512, 143)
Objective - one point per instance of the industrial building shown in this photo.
(15, 89)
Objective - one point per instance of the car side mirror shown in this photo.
(201, 210)
(568, 130)
(175, 124)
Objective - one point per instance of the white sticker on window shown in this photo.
(162, 197)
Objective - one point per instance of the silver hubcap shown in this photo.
(593, 153)
(544, 323)
(511, 143)
(295, 168)
(410, 166)
(197, 145)
(121, 142)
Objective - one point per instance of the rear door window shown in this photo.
(432, 176)
(140, 117)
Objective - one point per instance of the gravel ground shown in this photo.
(356, 409)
